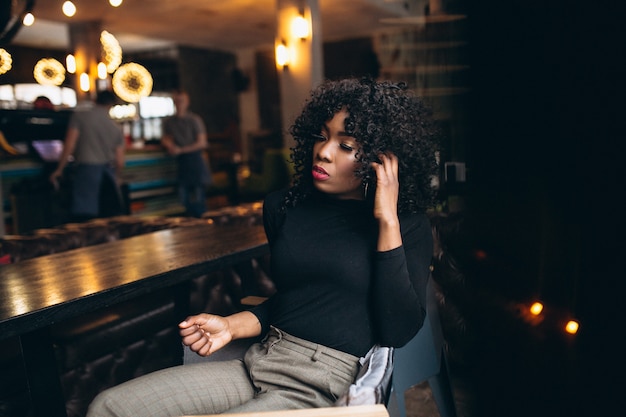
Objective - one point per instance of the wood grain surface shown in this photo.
(38, 292)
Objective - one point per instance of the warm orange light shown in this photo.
(49, 71)
(300, 27)
(70, 63)
(282, 55)
(102, 70)
(571, 327)
(29, 19)
(69, 9)
(84, 82)
(6, 62)
(536, 308)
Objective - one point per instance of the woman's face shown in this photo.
(334, 160)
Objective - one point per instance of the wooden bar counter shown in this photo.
(36, 293)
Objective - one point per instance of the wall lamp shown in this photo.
(70, 63)
(84, 82)
(283, 55)
(300, 27)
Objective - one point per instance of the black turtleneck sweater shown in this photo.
(333, 287)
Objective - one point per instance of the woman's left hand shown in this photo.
(387, 187)
(386, 202)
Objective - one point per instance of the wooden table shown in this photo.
(39, 292)
(377, 410)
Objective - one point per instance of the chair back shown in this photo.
(423, 359)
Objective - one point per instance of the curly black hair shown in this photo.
(382, 116)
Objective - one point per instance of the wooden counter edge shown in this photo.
(376, 410)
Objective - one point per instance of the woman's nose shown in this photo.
(324, 152)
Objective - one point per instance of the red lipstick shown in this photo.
(319, 173)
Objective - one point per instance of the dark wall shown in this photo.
(268, 91)
(350, 58)
(207, 76)
(545, 110)
(547, 180)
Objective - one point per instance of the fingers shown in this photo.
(203, 344)
(389, 160)
(197, 339)
(197, 320)
(387, 169)
(196, 334)
(188, 322)
(191, 330)
(386, 159)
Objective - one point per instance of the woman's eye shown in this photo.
(346, 147)
(319, 137)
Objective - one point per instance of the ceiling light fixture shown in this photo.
(131, 82)
(6, 62)
(69, 9)
(115, 3)
(28, 20)
(49, 71)
(111, 51)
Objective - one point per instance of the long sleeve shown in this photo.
(272, 219)
(399, 283)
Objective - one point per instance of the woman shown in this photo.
(350, 254)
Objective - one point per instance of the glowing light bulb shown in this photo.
(282, 55)
(28, 20)
(115, 3)
(102, 70)
(536, 308)
(70, 63)
(300, 27)
(84, 82)
(69, 9)
(571, 327)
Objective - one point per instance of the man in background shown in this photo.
(97, 145)
(184, 136)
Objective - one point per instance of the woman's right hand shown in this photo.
(205, 333)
